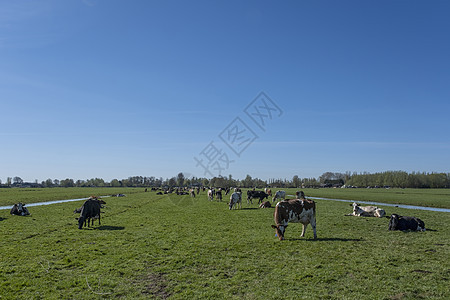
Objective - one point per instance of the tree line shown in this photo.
(398, 179)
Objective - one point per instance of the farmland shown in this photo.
(169, 246)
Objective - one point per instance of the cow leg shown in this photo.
(303, 230)
(313, 225)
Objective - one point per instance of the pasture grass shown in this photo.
(420, 197)
(169, 246)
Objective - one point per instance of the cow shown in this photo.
(235, 200)
(192, 193)
(19, 209)
(300, 195)
(296, 211)
(219, 194)
(78, 210)
(210, 195)
(89, 211)
(265, 204)
(279, 195)
(367, 211)
(268, 191)
(256, 194)
(397, 222)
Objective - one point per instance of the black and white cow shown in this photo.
(219, 194)
(210, 195)
(19, 209)
(89, 211)
(260, 195)
(296, 211)
(406, 223)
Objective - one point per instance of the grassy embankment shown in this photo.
(151, 246)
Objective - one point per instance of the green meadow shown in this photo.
(152, 246)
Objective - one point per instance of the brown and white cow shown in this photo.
(268, 191)
(296, 211)
(265, 204)
(367, 211)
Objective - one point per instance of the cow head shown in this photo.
(80, 222)
(279, 231)
(393, 222)
(421, 225)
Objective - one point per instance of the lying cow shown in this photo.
(235, 200)
(260, 195)
(279, 195)
(19, 209)
(367, 211)
(89, 211)
(265, 204)
(406, 223)
(296, 211)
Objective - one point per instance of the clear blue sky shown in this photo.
(114, 89)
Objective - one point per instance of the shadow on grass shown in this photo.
(415, 231)
(110, 228)
(1, 219)
(325, 239)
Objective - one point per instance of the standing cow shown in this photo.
(210, 195)
(296, 211)
(235, 200)
(260, 195)
(89, 211)
(219, 194)
(279, 195)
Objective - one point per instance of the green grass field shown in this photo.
(170, 246)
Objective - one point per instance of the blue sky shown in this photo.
(114, 89)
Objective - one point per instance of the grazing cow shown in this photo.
(89, 211)
(367, 211)
(210, 195)
(297, 211)
(192, 193)
(19, 209)
(256, 194)
(268, 191)
(235, 200)
(219, 195)
(279, 195)
(406, 223)
(265, 204)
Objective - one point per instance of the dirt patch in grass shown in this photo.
(156, 285)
